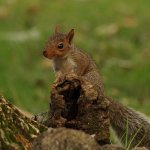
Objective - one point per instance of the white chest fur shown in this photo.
(64, 65)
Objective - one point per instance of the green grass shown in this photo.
(115, 33)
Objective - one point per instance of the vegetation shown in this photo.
(115, 33)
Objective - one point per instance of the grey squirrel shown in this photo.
(68, 58)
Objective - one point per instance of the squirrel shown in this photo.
(130, 126)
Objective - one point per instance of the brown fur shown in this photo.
(71, 59)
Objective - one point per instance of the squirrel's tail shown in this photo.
(132, 128)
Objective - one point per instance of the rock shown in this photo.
(64, 139)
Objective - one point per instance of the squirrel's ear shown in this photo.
(70, 36)
(57, 29)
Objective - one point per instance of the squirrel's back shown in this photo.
(87, 69)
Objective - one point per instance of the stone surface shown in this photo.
(64, 139)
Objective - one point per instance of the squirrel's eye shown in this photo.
(60, 46)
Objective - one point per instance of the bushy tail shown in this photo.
(130, 126)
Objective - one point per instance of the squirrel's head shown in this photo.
(59, 44)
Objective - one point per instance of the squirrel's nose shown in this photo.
(45, 53)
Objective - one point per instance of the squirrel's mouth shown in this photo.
(54, 54)
(46, 54)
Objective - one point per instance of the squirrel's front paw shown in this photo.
(59, 79)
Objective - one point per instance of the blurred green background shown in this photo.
(116, 33)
